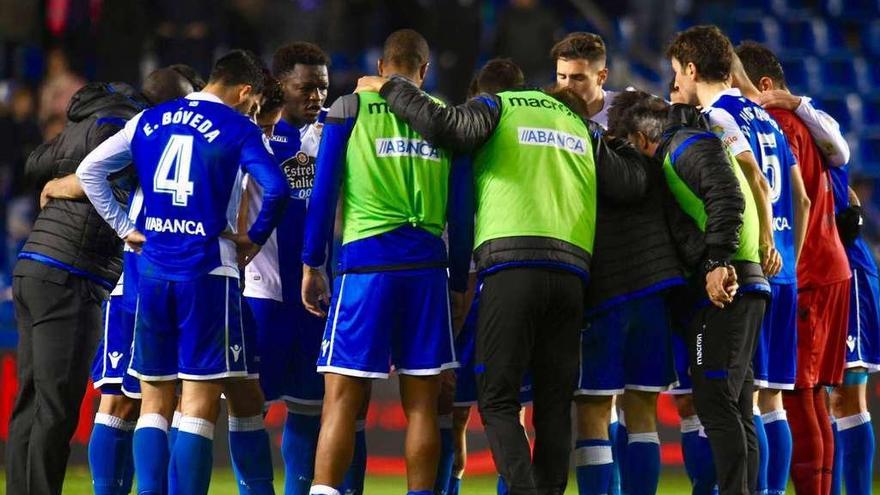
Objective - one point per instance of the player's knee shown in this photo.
(593, 416)
(244, 398)
(119, 406)
(769, 400)
(640, 409)
(684, 404)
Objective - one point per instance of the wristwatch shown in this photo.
(710, 265)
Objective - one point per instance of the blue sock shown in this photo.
(193, 455)
(619, 446)
(454, 486)
(354, 477)
(150, 446)
(172, 437)
(298, 444)
(763, 453)
(447, 456)
(613, 427)
(593, 464)
(109, 454)
(420, 492)
(500, 486)
(251, 455)
(857, 442)
(128, 476)
(837, 469)
(697, 454)
(643, 463)
(779, 444)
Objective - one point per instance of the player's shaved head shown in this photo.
(165, 84)
(405, 51)
(499, 74)
(760, 62)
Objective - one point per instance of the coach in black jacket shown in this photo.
(67, 266)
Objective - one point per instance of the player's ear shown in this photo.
(603, 76)
(380, 67)
(423, 70)
(690, 70)
(766, 84)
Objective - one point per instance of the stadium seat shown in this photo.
(871, 38)
(838, 76)
(811, 36)
(868, 74)
(791, 9)
(853, 10)
(869, 155)
(870, 115)
(800, 73)
(839, 108)
(764, 31)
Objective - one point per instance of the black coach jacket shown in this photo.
(70, 232)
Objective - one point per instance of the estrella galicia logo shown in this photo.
(300, 172)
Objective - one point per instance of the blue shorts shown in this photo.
(114, 352)
(384, 319)
(628, 346)
(190, 330)
(288, 343)
(863, 338)
(775, 362)
(682, 366)
(465, 377)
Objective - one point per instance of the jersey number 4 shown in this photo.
(172, 173)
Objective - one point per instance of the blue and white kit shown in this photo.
(744, 126)
(190, 155)
(288, 337)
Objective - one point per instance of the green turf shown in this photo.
(222, 483)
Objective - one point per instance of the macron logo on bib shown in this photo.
(552, 138)
(417, 148)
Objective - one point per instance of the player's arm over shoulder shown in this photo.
(462, 128)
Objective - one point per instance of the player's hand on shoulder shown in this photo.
(135, 240)
(370, 84)
(315, 291)
(777, 98)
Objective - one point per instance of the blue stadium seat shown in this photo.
(870, 115)
(854, 10)
(839, 108)
(811, 36)
(838, 75)
(764, 31)
(871, 38)
(868, 154)
(791, 9)
(868, 76)
(800, 74)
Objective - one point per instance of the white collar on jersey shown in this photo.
(203, 96)
(727, 92)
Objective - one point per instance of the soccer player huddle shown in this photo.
(554, 246)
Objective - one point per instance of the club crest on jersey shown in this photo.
(114, 357)
(300, 172)
(236, 351)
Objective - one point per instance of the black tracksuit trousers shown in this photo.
(721, 345)
(59, 325)
(529, 320)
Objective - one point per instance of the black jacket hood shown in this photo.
(683, 115)
(105, 99)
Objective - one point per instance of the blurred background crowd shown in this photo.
(51, 48)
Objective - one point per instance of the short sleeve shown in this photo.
(724, 126)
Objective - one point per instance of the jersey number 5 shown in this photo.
(770, 164)
(172, 173)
